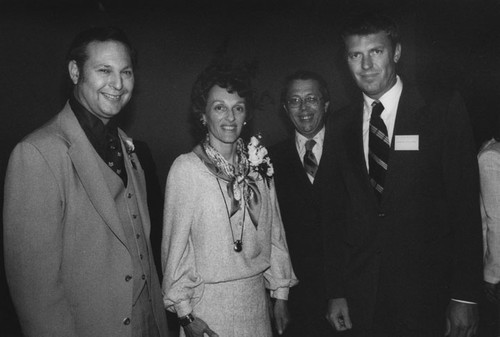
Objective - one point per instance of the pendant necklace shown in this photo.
(238, 244)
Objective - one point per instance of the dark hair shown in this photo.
(233, 79)
(371, 23)
(305, 75)
(78, 49)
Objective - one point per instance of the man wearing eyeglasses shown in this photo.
(301, 165)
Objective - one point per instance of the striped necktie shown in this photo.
(310, 162)
(378, 154)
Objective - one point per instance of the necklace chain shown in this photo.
(238, 244)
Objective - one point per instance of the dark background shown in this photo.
(449, 43)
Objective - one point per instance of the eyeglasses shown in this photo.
(310, 101)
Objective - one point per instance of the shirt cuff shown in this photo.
(280, 293)
(491, 278)
(183, 308)
(460, 301)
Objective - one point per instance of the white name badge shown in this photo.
(406, 143)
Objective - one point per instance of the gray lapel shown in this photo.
(84, 159)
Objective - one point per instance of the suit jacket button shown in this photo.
(143, 276)
(381, 215)
(126, 321)
(128, 278)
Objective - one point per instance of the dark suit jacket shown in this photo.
(404, 259)
(301, 210)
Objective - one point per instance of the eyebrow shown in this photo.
(306, 95)
(106, 65)
(222, 101)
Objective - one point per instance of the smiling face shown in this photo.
(106, 81)
(372, 62)
(224, 116)
(305, 107)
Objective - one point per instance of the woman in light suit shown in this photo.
(223, 238)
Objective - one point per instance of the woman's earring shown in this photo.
(244, 123)
(203, 122)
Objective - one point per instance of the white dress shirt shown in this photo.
(300, 143)
(390, 101)
(489, 173)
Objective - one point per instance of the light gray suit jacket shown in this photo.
(66, 255)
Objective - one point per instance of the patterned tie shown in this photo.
(378, 154)
(114, 155)
(310, 162)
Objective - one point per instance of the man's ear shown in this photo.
(327, 104)
(74, 72)
(397, 53)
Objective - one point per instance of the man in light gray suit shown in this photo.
(76, 226)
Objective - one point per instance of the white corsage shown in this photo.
(130, 147)
(259, 159)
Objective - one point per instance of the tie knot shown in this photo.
(377, 108)
(310, 144)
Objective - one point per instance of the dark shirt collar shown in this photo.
(94, 128)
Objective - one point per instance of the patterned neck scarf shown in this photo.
(226, 168)
(240, 187)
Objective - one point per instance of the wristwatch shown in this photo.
(186, 320)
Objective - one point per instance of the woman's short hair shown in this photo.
(233, 79)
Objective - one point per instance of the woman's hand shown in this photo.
(198, 328)
(281, 315)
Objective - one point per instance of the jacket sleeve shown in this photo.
(489, 171)
(33, 242)
(461, 179)
(280, 276)
(182, 284)
(336, 216)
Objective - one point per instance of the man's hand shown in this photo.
(281, 315)
(338, 314)
(461, 319)
(198, 328)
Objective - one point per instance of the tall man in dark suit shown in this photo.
(301, 164)
(412, 253)
(78, 258)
